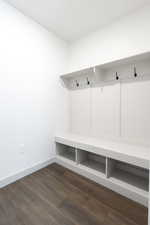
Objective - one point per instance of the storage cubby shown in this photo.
(121, 167)
(128, 174)
(67, 152)
(91, 160)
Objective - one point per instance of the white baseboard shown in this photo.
(11, 179)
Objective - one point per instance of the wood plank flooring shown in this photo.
(57, 196)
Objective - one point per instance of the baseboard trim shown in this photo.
(11, 179)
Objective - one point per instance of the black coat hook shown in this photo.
(77, 84)
(135, 73)
(117, 77)
(88, 82)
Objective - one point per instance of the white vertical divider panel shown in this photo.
(136, 111)
(149, 201)
(106, 111)
(81, 156)
(76, 155)
(80, 102)
(109, 167)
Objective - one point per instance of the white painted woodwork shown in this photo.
(105, 74)
(66, 151)
(80, 111)
(125, 178)
(136, 111)
(109, 167)
(119, 166)
(105, 108)
(110, 125)
(110, 108)
(137, 155)
(91, 160)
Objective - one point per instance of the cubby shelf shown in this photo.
(126, 178)
(91, 160)
(66, 152)
(94, 165)
(131, 175)
(129, 180)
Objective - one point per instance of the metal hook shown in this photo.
(88, 82)
(77, 84)
(135, 72)
(117, 77)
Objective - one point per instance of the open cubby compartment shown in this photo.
(65, 151)
(91, 160)
(128, 174)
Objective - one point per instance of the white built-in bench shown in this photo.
(117, 165)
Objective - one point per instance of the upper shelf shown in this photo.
(135, 68)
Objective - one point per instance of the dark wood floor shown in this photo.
(57, 196)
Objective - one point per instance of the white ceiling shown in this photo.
(72, 19)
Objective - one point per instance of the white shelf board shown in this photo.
(123, 61)
(78, 73)
(116, 149)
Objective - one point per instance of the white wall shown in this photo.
(32, 102)
(128, 36)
